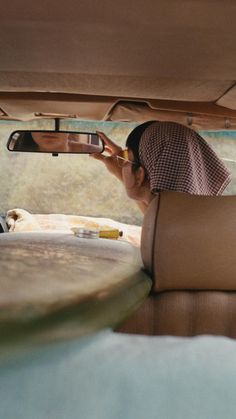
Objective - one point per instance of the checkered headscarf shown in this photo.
(177, 158)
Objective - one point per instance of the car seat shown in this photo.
(188, 248)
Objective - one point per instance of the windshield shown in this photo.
(67, 184)
(78, 184)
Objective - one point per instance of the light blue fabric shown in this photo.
(114, 376)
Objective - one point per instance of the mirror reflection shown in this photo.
(55, 142)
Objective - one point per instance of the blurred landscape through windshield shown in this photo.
(78, 184)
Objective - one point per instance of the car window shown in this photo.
(68, 184)
(224, 144)
(78, 184)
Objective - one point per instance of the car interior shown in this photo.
(108, 67)
(188, 249)
(152, 336)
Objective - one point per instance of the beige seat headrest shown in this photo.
(189, 242)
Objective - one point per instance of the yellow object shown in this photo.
(111, 233)
(125, 154)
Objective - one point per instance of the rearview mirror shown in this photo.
(55, 142)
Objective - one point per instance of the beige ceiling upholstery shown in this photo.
(175, 50)
(115, 85)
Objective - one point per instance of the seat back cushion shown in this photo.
(189, 242)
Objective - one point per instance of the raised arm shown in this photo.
(110, 160)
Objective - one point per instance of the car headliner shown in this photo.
(97, 59)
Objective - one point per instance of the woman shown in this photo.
(45, 141)
(165, 156)
(24, 141)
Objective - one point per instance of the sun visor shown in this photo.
(229, 99)
(195, 115)
(26, 106)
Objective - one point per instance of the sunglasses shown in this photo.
(123, 159)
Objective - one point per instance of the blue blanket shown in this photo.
(114, 376)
